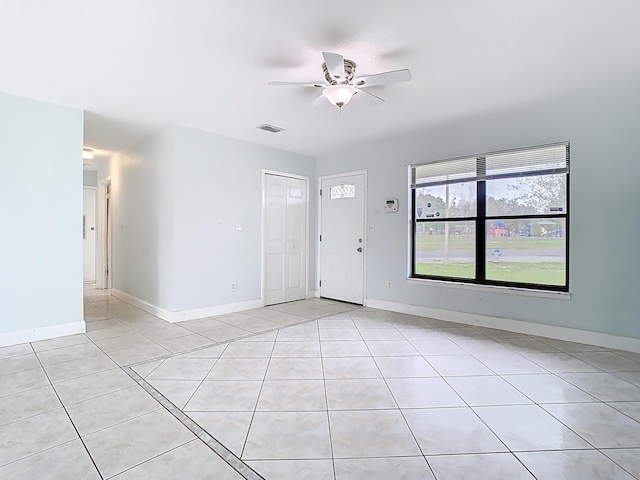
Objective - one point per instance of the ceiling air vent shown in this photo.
(270, 128)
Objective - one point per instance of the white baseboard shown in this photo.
(184, 315)
(606, 340)
(141, 304)
(312, 294)
(41, 333)
(214, 310)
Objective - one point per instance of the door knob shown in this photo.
(359, 249)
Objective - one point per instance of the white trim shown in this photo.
(365, 236)
(41, 333)
(184, 315)
(141, 304)
(263, 212)
(490, 288)
(312, 294)
(365, 231)
(338, 175)
(263, 270)
(103, 242)
(96, 254)
(606, 340)
(266, 171)
(214, 310)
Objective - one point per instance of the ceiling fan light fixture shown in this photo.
(339, 95)
(342, 84)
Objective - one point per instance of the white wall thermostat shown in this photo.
(391, 205)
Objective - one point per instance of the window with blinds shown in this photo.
(498, 218)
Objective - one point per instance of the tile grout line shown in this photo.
(615, 461)
(202, 381)
(217, 447)
(548, 371)
(185, 419)
(217, 343)
(384, 379)
(181, 416)
(203, 435)
(326, 402)
(255, 408)
(68, 416)
(453, 340)
(515, 453)
(471, 408)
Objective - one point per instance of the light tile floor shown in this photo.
(313, 390)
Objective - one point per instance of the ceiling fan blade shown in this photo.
(335, 65)
(370, 95)
(299, 84)
(318, 101)
(383, 78)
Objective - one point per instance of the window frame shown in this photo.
(481, 220)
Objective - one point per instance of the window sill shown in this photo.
(491, 288)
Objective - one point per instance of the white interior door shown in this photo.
(89, 235)
(342, 238)
(285, 239)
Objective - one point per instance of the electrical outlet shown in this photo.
(388, 284)
(233, 287)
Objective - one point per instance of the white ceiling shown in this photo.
(135, 65)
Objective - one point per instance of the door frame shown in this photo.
(95, 239)
(263, 245)
(104, 257)
(364, 230)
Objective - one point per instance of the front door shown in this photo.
(285, 239)
(342, 204)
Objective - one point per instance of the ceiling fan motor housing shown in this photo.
(349, 72)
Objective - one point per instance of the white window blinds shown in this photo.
(448, 171)
(545, 160)
(535, 161)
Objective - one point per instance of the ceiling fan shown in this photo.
(341, 85)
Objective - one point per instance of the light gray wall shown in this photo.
(142, 212)
(89, 178)
(41, 214)
(604, 194)
(177, 197)
(217, 184)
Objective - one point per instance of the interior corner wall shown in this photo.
(604, 263)
(141, 219)
(176, 198)
(41, 218)
(218, 184)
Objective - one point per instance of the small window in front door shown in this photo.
(344, 190)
